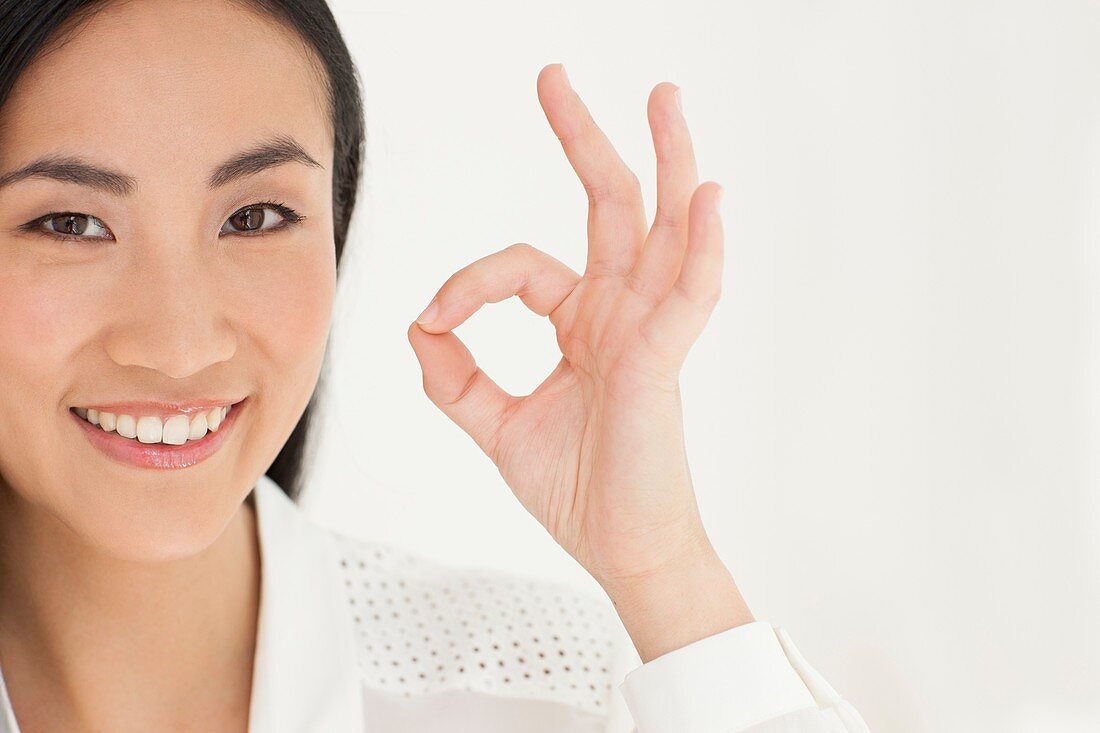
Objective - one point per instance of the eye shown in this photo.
(69, 226)
(259, 218)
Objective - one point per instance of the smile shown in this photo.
(162, 442)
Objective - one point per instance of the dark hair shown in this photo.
(29, 26)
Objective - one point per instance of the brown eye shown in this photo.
(258, 218)
(71, 225)
(249, 219)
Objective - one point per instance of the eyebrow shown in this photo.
(71, 169)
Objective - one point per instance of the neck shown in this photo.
(105, 643)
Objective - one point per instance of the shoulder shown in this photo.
(424, 627)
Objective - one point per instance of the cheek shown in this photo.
(42, 320)
(290, 308)
(286, 308)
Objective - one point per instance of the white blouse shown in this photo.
(361, 636)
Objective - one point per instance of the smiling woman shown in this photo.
(176, 183)
(325, 97)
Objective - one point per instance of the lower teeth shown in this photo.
(157, 442)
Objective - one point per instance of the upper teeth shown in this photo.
(175, 430)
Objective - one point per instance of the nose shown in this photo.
(174, 313)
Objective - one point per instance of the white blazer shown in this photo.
(361, 636)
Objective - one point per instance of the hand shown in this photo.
(596, 452)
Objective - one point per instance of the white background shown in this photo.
(891, 417)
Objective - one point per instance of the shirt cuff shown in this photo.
(722, 683)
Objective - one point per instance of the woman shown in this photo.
(173, 177)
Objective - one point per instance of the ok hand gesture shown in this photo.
(596, 452)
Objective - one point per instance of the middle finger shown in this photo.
(616, 212)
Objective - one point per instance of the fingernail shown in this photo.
(679, 100)
(429, 313)
(718, 197)
(566, 76)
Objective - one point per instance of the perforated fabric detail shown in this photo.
(424, 627)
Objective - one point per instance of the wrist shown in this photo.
(679, 605)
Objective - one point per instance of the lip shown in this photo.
(158, 455)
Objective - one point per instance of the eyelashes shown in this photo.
(290, 217)
(74, 225)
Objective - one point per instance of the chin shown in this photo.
(157, 520)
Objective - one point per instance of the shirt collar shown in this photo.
(306, 673)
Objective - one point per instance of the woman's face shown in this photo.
(166, 290)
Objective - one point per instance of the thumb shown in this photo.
(456, 385)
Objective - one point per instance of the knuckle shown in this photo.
(586, 128)
(523, 248)
(668, 217)
(466, 390)
(456, 289)
(707, 298)
(639, 284)
(619, 188)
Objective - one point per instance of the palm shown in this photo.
(595, 453)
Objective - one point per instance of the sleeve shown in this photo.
(748, 679)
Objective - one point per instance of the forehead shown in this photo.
(158, 87)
